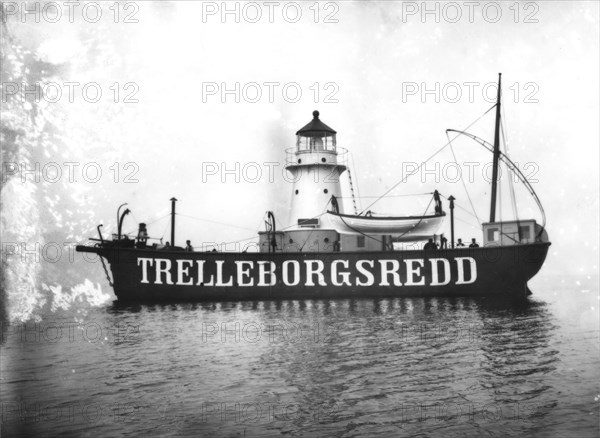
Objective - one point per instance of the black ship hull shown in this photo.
(148, 275)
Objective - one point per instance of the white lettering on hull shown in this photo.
(461, 270)
(295, 272)
(243, 275)
(394, 271)
(145, 262)
(345, 276)
(369, 277)
(435, 278)
(184, 270)
(411, 271)
(435, 272)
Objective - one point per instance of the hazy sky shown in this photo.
(370, 62)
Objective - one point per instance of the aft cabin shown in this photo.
(508, 233)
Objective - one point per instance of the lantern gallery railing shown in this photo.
(292, 155)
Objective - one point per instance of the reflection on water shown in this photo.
(388, 367)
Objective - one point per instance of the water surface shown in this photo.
(346, 368)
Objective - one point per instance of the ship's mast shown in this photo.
(496, 152)
(173, 201)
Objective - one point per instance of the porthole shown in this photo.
(326, 240)
(299, 160)
(325, 191)
(296, 191)
(323, 160)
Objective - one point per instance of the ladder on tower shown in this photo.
(352, 191)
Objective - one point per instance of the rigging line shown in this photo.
(512, 194)
(513, 197)
(354, 172)
(522, 178)
(306, 240)
(159, 219)
(293, 225)
(420, 220)
(402, 180)
(468, 223)
(423, 163)
(468, 212)
(510, 179)
(389, 196)
(165, 232)
(214, 222)
(500, 203)
(150, 223)
(456, 204)
(462, 180)
(508, 235)
(351, 187)
(312, 231)
(510, 173)
(239, 241)
(156, 220)
(278, 223)
(153, 238)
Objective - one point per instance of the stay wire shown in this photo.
(214, 222)
(456, 204)
(150, 223)
(463, 181)
(423, 163)
(389, 196)
(510, 173)
(311, 232)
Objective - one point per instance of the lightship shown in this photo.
(332, 253)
